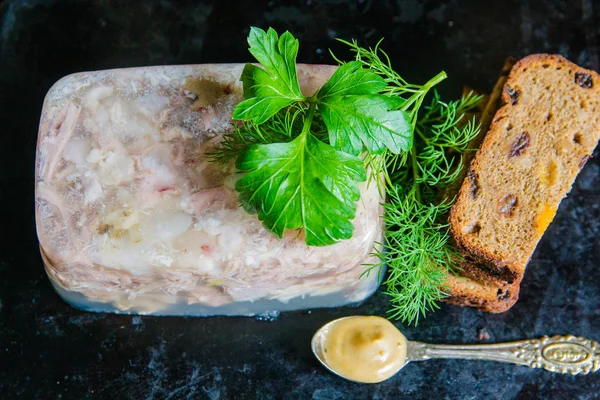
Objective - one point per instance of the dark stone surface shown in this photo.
(48, 350)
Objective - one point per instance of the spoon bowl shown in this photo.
(371, 344)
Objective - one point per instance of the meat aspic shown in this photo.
(133, 217)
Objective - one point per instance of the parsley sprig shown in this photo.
(302, 157)
(299, 154)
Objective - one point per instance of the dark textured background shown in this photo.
(48, 350)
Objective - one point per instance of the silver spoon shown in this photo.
(561, 354)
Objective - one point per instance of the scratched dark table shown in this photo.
(49, 350)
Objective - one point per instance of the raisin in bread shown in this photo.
(537, 143)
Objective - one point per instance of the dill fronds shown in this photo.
(417, 249)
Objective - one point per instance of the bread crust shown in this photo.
(475, 287)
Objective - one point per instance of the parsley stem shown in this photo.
(309, 118)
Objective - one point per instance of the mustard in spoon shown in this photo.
(370, 349)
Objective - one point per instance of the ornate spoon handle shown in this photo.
(564, 354)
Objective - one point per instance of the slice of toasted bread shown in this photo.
(538, 141)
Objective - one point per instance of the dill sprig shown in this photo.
(419, 251)
(417, 247)
(445, 133)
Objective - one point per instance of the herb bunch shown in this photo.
(303, 157)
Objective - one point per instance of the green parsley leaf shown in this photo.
(276, 86)
(266, 100)
(304, 184)
(351, 79)
(357, 116)
(369, 120)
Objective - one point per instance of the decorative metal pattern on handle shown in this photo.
(563, 354)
